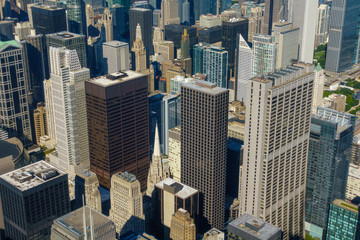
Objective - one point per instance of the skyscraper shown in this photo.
(117, 109)
(76, 16)
(120, 21)
(243, 68)
(343, 35)
(287, 38)
(231, 29)
(318, 88)
(68, 94)
(215, 65)
(272, 183)
(275, 10)
(175, 153)
(40, 122)
(126, 203)
(264, 56)
(116, 56)
(143, 18)
(343, 221)
(15, 118)
(108, 25)
(46, 20)
(203, 148)
(69, 40)
(139, 53)
(322, 25)
(169, 13)
(50, 117)
(32, 198)
(182, 226)
(330, 145)
(304, 16)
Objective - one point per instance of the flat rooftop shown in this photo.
(354, 172)
(64, 35)
(184, 192)
(115, 78)
(32, 175)
(73, 221)
(247, 225)
(115, 43)
(346, 205)
(206, 87)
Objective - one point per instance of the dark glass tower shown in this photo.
(204, 129)
(47, 20)
(120, 22)
(117, 111)
(76, 16)
(343, 35)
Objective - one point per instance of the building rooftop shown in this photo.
(128, 177)
(354, 172)
(206, 87)
(247, 225)
(9, 43)
(32, 175)
(115, 43)
(181, 190)
(212, 232)
(73, 221)
(115, 78)
(346, 205)
(64, 35)
(50, 8)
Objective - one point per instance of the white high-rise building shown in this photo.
(273, 174)
(318, 88)
(116, 56)
(322, 25)
(304, 16)
(50, 120)
(169, 13)
(68, 94)
(243, 68)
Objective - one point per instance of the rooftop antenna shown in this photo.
(84, 218)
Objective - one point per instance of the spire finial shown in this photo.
(157, 152)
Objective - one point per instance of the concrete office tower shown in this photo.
(264, 56)
(353, 183)
(205, 147)
(322, 25)
(116, 56)
(182, 226)
(107, 21)
(343, 35)
(49, 107)
(15, 117)
(139, 51)
(21, 30)
(304, 16)
(209, 21)
(287, 38)
(231, 29)
(128, 92)
(71, 226)
(6, 31)
(142, 17)
(87, 188)
(69, 40)
(169, 13)
(255, 22)
(243, 68)
(318, 88)
(76, 16)
(68, 93)
(40, 122)
(272, 182)
(46, 20)
(36, 49)
(275, 10)
(156, 170)
(330, 148)
(215, 65)
(29, 201)
(343, 214)
(249, 227)
(126, 203)
(165, 49)
(175, 153)
(170, 196)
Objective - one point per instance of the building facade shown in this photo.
(322, 25)
(128, 94)
(353, 183)
(215, 65)
(268, 176)
(243, 68)
(116, 56)
(46, 20)
(40, 122)
(205, 147)
(182, 226)
(264, 57)
(175, 153)
(76, 18)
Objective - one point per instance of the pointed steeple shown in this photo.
(157, 152)
(242, 42)
(138, 32)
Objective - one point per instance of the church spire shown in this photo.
(157, 152)
(138, 32)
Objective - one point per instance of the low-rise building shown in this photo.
(335, 101)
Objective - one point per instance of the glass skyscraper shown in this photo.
(76, 16)
(343, 35)
(330, 145)
(264, 55)
(215, 65)
(343, 221)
